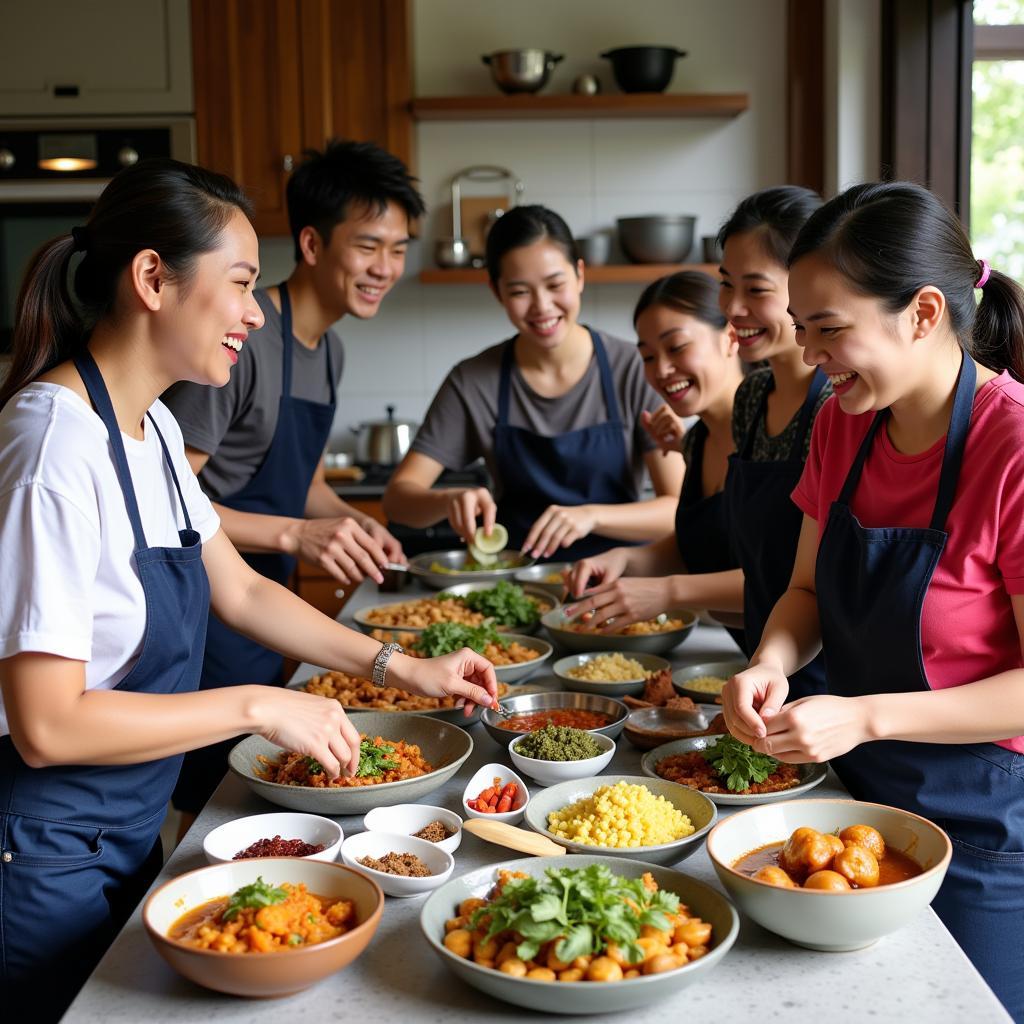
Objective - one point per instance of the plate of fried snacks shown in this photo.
(402, 759)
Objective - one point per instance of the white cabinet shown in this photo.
(95, 57)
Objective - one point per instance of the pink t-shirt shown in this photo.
(968, 631)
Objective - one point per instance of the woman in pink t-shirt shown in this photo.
(910, 569)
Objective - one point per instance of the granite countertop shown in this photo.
(918, 973)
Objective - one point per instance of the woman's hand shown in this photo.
(601, 569)
(630, 599)
(558, 526)
(463, 674)
(311, 725)
(751, 698)
(341, 546)
(814, 729)
(465, 505)
(665, 428)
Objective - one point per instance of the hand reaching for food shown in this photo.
(665, 428)
(466, 505)
(463, 674)
(343, 547)
(750, 699)
(558, 526)
(611, 606)
(601, 569)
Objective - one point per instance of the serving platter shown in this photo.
(811, 775)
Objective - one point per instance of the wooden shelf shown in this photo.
(626, 273)
(523, 107)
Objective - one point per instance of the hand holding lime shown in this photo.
(485, 549)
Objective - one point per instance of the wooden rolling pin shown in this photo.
(514, 838)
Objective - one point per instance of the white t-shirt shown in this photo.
(68, 583)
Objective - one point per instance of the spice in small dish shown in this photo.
(434, 832)
(278, 847)
(559, 743)
(407, 865)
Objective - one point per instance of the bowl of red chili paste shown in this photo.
(531, 711)
(279, 834)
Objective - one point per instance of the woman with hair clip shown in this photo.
(690, 359)
(554, 411)
(112, 556)
(773, 410)
(910, 569)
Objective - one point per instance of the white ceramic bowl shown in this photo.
(830, 921)
(221, 844)
(377, 844)
(408, 819)
(485, 777)
(550, 773)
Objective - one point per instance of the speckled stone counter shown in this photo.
(918, 974)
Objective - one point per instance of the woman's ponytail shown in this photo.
(997, 338)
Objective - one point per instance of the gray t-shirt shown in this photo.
(235, 424)
(459, 426)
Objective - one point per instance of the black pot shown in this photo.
(643, 68)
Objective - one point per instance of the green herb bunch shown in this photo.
(585, 908)
(374, 760)
(257, 894)
(741, 764)
(445, 637)
(505, 604)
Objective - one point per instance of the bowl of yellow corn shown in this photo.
(611, 673)
(653, 820)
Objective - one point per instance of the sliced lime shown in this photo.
(495, 543)
(481, 557)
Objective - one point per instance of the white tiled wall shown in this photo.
(589, 171)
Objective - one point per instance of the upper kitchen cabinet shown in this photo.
(100, 57)
(274, 77)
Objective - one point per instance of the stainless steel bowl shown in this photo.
(555, 701)
(521, 70)
(538, 575)
(723, 669)
(453, 573)
(659, 238)
(652, 643)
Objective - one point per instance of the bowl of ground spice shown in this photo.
(559, 753)
(401, 865)
(281, 834)
(437, 825)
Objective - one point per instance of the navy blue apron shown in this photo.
(871, 632)
(79, 844)
(581, 467)
(764, 526)
(278, 488)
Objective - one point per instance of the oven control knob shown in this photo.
(7, 160)
(126, 156)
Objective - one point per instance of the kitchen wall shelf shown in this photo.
(626, 273)
(622, 105)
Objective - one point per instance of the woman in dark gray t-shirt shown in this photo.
(554, 411)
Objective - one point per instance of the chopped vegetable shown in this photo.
(738, 763)
(505, 604)
(314, 766)
(257, 894)
(375, 759)
(445, 637)
(496, 799)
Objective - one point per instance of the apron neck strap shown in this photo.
(174, 475)
(806, 415)
(288, 346)
(97, 391)
(693, 478)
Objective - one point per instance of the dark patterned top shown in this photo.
(748, 400)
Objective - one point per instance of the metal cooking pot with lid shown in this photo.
(384, 442)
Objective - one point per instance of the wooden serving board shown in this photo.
(520, 839)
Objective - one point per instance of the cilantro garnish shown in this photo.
(739, 763)
(445, 637)
(258, 894)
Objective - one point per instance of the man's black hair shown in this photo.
(347, 177)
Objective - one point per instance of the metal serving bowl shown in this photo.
(722, 669)
(539, 576)
(531, 703)
(521, 70)
(453, 561)
(657, 239)
(652, 643)
(610, 688)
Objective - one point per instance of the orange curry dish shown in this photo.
(380, 761)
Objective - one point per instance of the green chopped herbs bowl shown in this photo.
(559, 741)
(582, 895)
(741, 772)
(510, 606)
(514, 656)
(443, 745)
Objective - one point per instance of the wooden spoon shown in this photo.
(514, 838)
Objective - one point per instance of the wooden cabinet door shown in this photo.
(248, 98)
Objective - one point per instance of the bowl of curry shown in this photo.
(265, 927)
(530, 711)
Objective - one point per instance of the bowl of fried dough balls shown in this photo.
(832, 875)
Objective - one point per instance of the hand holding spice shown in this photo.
(496, 798)
(558, 743)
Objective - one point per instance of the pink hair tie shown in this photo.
(986, 272)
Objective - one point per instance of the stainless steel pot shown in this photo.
(656, 239)
(384, 442)
(521, 70)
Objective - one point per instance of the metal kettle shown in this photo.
(384, 442)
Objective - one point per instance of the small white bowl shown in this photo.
(221, 845)
(377, 844)
(408, 819)
(482, 780)
(550, 773)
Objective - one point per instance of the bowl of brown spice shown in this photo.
(401, 865)
(282, 834)
(437, 825)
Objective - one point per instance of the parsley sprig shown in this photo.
(257, 894)
(373, 759)
(506, 604)
(586, 907)
(741, 764)
(445, 637)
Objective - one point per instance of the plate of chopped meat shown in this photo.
(728, 771)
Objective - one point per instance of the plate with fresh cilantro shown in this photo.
(728, 771)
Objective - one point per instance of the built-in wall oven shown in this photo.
(51, 172)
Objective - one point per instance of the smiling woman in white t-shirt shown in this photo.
(112, 556)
